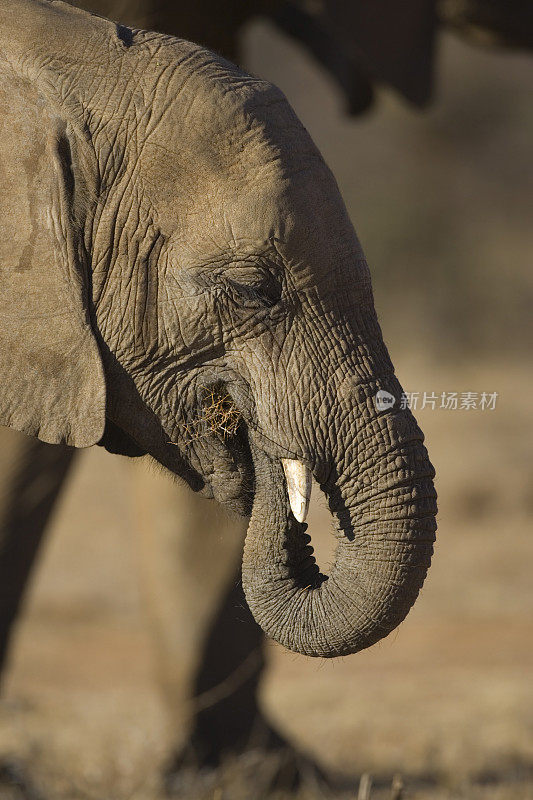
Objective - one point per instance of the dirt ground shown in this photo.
(447, 700)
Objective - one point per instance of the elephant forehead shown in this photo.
(225, 159)
(215, 150)
(301, 210)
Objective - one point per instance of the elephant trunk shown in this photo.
(382, 497)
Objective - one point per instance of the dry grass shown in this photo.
(217, 415)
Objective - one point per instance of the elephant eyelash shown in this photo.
(248, 285)
(264, 293)
(252, 285)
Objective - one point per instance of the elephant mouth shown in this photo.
(214, 438)
(225, 440)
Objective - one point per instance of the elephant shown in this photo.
(181, 278)
(97, 381)
(490, 22)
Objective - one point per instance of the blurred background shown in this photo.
(442, 202)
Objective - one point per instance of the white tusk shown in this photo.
(298, 486)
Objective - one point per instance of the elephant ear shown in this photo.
(51, 377)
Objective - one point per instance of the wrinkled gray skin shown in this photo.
(167, 225)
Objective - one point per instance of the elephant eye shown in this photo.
(253, 286)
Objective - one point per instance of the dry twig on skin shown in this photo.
(218, 416)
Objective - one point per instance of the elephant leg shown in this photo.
(31, 477)
(210, 649)
(226, 715)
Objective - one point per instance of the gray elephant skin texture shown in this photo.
(171, 242)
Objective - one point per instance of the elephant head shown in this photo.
(178, 272)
